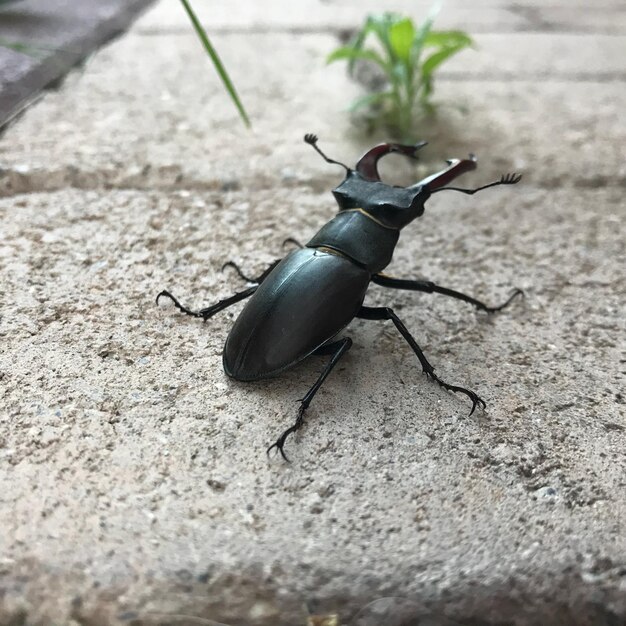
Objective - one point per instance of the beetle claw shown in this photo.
(474, 397)
(280, 442)
(510, 179)
(239, 271)
(494, 309)
(177, 304)
(294, 241)
(279, 445)
(477, 401)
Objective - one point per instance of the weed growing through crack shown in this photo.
(407, 56)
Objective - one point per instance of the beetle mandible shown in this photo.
(300, 303)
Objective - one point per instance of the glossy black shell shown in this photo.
(307, 299)
(358, 236)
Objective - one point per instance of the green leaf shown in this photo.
(422, 33)
(381, 26)
(23, 48)
(447, 39)
(353, 54)
(401, 35)
(358, 41)
(378, 24)
(221, 70)
(436, 59)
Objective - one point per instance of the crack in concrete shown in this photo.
(535, 25)
(574, 77)
(14, 183)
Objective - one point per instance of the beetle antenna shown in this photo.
(311, 139)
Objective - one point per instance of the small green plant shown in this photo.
(408, 57)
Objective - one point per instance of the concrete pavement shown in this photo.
(134, 486)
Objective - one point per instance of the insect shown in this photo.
(300, 303)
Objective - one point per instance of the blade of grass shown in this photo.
(23, 48)
(221, 70)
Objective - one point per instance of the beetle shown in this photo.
(300, 303)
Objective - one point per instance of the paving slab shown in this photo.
(58, 34)
(317, 15)
(177, 128)
(481, 16)
(134, 474)
(134, 485)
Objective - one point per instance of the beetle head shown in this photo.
(392, 206)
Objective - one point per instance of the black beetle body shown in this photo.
(307, 299)
(302, 302)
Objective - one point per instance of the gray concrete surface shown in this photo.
(134, 486)
(58, 34)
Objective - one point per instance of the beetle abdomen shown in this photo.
(306, 300)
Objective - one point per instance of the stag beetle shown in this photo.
(300, 303)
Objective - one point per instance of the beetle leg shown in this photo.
(259, 279)
(238, 270)
(385, 313)
(211, 310)
(293, 241)
(430, 287)
(337, 349)
(222, 304)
